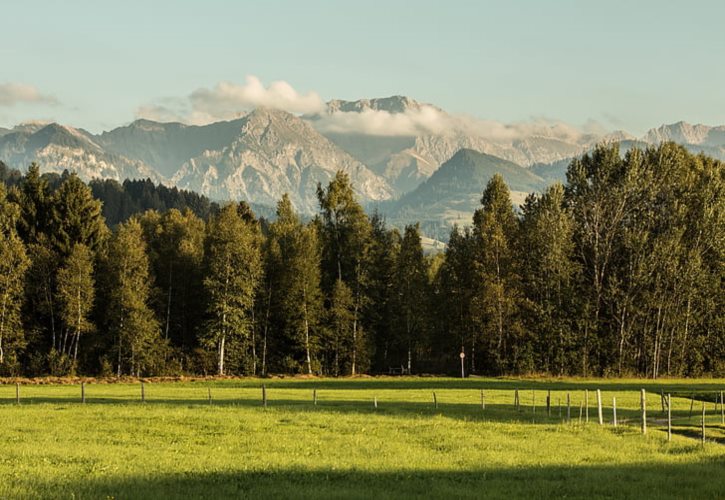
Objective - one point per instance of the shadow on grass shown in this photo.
(698, 478)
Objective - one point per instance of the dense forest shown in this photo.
(618, 272)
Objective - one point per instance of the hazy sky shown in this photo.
(625, 64)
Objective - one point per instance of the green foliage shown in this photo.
(139, 345)
(13, 265)
(76, 293)
(233, 270)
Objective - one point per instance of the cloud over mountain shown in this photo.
(228, 100)
(15, 93)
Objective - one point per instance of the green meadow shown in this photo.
(180, 444)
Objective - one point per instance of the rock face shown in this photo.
(696, 138)
(56, 148)
(407, 159)
(388, 146)
(257, 158)
(274, 153)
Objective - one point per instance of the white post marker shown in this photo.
(463, 357)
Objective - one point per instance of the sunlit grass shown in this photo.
(177, 444)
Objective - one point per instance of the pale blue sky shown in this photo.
(627, 64)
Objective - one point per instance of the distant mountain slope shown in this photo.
(454, 191)
(696, 138)
(275, 153)
(167, 146)
(56, 148)
(407, 160)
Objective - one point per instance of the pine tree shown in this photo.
(411, 282)
(496, 287)
(346, 236)
(76, 217)
(233, 271)
(296, 257)
(546, 251)
(13, 265)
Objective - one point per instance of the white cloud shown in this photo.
(229, 100)
(16, 93)
(430, 120)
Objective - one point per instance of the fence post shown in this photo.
(599, 407)
(643, 405)
(586, 404)
(614, 411)
(568, 407)
(662, 400)
(483, 401)
(669, 417)
(516, 399)
(17, 393)
(533, 401)
(548, 403)
(375, 402)
(703, 423)
(208, 390)
(435, 400)
(559, 401)
(143, 392)
(83, 392)
(692, 403)
(264, 395)
(314, 398)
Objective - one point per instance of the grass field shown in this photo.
(177, 444)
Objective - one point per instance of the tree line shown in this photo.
(618, 272)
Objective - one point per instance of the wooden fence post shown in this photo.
(264, 395)
(533, 401)
(559, 401)
(581, 410)
(483, 401)
(599, 407)
(516, 399)
(614, 411)
(669, 417)
(208, 390)
(692, 403)
(375, 402)
(143, 392)
(662, 400)
(435, 400)
(703, 423)
(548, 403)
(17, 393)
(314, 398)
(568, 407)
(83, 392)
(643, 405)
(586, 404)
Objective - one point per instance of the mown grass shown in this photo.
(177, 444)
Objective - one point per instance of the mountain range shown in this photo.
(413, 160)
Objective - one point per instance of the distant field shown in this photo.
(178, 444)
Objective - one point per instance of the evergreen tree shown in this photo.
(346, 236)
(76, 217)
(495, 301)
(296, 258)
(546, 249)
(411, 280)
(13, 265)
